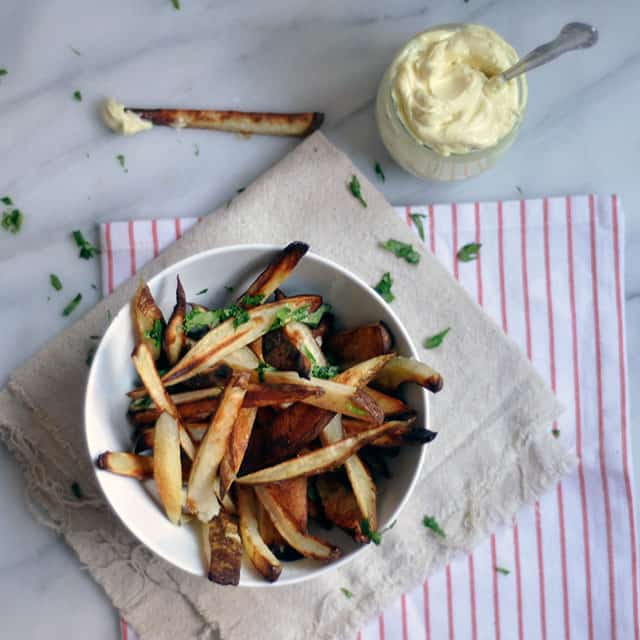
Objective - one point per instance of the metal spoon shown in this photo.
(575, 35)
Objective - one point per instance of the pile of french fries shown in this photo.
(256, 418)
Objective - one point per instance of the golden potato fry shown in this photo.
(174, 340)
(148, 322)
(126, 464)
(361, 343)
(236, 447)
(167, 467)
(402, 369)
(226, 549)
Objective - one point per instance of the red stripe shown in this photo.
(450, 602)
(124, 629)
(132, 248)
(403, 604)
(496, 596)
(107, 239)
(154, 235)
(601, 434)
(178, 229)
(478, 259)
(407, 213)
(578, 416)
(623, 418)
(359, 636)
(552, 373)
(503, 294)
(427, 617)
(381, 626)
(454, 238)
(472, 596)
(518, 576)
(527, 318)
(432, 229)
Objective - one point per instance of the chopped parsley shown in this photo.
(196, 149)
(431, 523)
(55, 281)
(308, 355)
(239, 315)
(155, 333)
(12, 220)
(555, 432)
(401, 250)
(74, 50)
(94, 337)
(312, 319)
(355, 410)
(176, 4)
(94, 287)
(347, 593)
(374, 536)
(469, 252)
(77, 95)
(87, 250)
(261, 368)
(202, 292)
(356, 191)
(197, 320)
(436, 340)
(68, 310)
(417, 221)
(6, 200)
(241, 189)
(384, 287)
(252, 301)
(379, 172)
(121, 159)
(325, 373)
(3, 72)
(503, 571)
(77, 491)
(229, 288)
(90, 354)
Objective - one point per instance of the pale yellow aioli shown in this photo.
(439, 85)
(121, 121)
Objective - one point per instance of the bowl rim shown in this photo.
(203, 255)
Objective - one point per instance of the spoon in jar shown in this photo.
(575, 35)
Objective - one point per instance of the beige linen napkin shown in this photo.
(493, 454)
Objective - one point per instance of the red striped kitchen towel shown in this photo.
(550, 272)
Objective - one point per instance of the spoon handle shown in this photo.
(575, 35)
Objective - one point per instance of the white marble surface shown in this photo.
(58, 163)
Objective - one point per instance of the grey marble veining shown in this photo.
(58, 163)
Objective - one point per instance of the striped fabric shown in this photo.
(550, 272)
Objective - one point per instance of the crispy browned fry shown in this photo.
(236, 447)
(265, 526)
(167, 468)
(143, 440)
(361, 343)
(309, 546)
(202, 531)
(364, 488)
(315, 462)
(277, 271)
(140, 404)
(226, 549)
(259, 553)
(226, 338)
(148, 323)
(323, 329)
(244, 122)
(362, 373)
(291, 495)
(258, 395)
(393, 437)
(390, 405)
(146, 368)
(200, 495)
(337, 397)
(174, 339)
(402, 369)
(302, 339)
(126, 464)
(340, 506)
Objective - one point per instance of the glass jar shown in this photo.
(419, 158)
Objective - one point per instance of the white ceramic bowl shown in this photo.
(112, 374)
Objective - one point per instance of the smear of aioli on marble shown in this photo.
(439, 84)
(118, 119)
